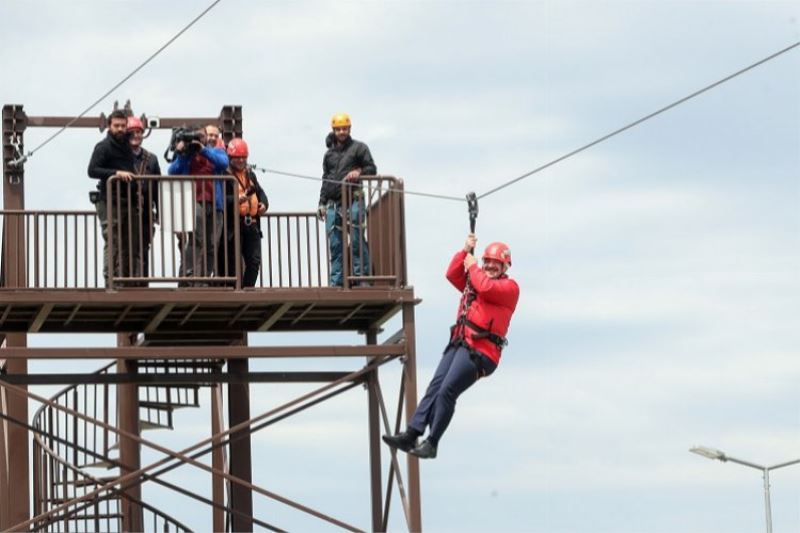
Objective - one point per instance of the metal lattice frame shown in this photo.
(293, 309)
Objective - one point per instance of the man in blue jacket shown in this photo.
(198, 159)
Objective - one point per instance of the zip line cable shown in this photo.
(637, 122)
(23, 158)
(355, 184)
(126, 78)
(578, 150)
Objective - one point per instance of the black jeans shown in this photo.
(126, 230)
(250, 243)
(457, 371)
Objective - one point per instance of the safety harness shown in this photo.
(249, 209)
(469, 296)
(480, 333)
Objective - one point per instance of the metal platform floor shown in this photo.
(206, 311)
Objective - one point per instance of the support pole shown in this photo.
(17, 445)
(130, 451)
(4, 524)
(373, 413)
(217, 462)
(239, 451)
(414, 501)
(767, 504)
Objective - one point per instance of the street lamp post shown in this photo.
(712, 453)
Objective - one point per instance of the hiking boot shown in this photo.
(425, 450)
(403, 441)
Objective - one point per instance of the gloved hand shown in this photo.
(322, 210)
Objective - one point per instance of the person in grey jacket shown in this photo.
(346, 160)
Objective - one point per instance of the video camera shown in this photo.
(186, 135)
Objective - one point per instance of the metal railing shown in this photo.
(65, 447)
(381, 228)
(54, 249)
(172, 229)
(154, 237)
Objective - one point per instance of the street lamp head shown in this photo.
(710, 453)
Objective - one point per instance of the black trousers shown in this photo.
(250, 242)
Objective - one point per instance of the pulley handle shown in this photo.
(472, 206)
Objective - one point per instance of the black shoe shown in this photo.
(403, 441)
(425, 450)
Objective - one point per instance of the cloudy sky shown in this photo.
(659, 270)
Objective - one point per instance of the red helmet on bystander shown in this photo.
(134, 123)
(238, 148)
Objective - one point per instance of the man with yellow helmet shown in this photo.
(345, 161)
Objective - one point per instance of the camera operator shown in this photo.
(249, 202)
(194, 158)
(113, 157)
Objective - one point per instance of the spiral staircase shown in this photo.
(73, 456)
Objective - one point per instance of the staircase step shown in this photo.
(100, 516)
(165, 396)
(100, 463)
(86, 482)
(164, 406)
(145, 425)
(199, 366)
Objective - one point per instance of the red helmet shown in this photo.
(134, 123)
(238, 148)
(499, 252)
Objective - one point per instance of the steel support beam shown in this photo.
(41, 316)
(239, 447)
(373, 417)
(4, 514)
(17, 444)
(187, 378)
(160, 316)
(217, 460)
(230, 119)
(200, 352)
(410, 369)
(130, 453)
(304, 296)
(101, 122)
(274, 317)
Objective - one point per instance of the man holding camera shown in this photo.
(145, 164)
(195, 158)
(113, 157)
(249, 202)
(345, 161)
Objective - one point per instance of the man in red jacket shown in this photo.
(488, 299)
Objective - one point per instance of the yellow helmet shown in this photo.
(340, 120)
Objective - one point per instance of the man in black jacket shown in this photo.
(113, 157)
(146, 164)
(345, 161)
